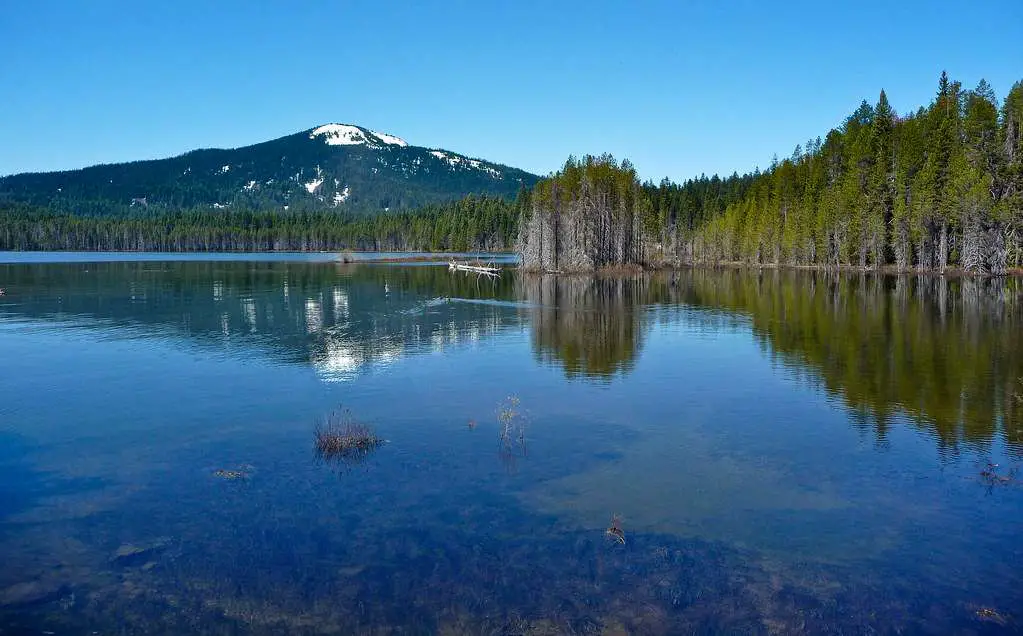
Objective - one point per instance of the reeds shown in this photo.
(513, 422)
(340, 437)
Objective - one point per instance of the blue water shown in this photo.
(301, 257)
(787, 453)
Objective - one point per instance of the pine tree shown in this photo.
(1010, 203)
(976, 169)
(881, 191)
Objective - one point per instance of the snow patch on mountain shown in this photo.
(389, 139)
(340, 135)
(478, 165)
(456, 161)
(349, 135)
(443, 156)
(313, 185)
(341, 197)
(251, 185)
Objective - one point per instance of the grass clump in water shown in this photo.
(339, 436)
(513, 423)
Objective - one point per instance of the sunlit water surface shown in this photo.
(787, 452)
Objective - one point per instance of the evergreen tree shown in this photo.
(1011, 179)
(882, 180)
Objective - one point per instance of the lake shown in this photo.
(782, 451)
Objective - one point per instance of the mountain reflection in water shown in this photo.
(785, 451)
(946, 351)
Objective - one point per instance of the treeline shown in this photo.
(470, 224)
(937, 188)
(595, 213)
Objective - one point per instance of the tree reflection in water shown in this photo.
(947, 352)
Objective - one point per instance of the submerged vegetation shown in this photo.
(340, 438)
(242, 472)
(512, 434)
(994, 475)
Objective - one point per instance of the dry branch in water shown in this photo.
(615, 531)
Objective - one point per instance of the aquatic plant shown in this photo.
(339, 436)
(512, 434)
(614, 531)
(991, 615)
(242, 472)
(512, 420)
(992, 475)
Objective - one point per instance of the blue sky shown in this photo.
(680, 88)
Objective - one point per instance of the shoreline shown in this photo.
(888, 270)
(439, 257)
(355, 257)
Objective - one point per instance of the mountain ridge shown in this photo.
(334, 166)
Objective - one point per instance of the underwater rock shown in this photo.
(242, 472)
(29, 593)
(989, 615)
(130, 552)
(127, 551)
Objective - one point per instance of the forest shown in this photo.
(941, 187)
(937, 188)
(477, 223)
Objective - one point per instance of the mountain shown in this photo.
(342, 167)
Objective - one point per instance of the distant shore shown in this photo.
(350, 256)
(888, 270)
(354, 257)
